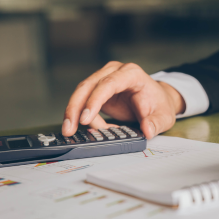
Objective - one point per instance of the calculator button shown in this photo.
(98, 138)
(111, 137)
(103, 130)
(122, 136)
(46, 139)
(118, 132)
(96, 134)
(75, 137)
(85, 137)
(129, 131)
(132, 134)
(67, 140)
(125, 128)
(58, 142)
(107, 134)
(52, 134)
(113, 129)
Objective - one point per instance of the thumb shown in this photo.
(156, 123)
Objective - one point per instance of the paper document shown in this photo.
(57, 190)
(188, 166)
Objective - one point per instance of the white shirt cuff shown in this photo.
(195, 97)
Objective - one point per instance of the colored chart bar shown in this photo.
(42, 164)
(144, 154)
(73, 169)
(156, 211)
(8, 183)
(115, 203)
(72, 196)
(150, 151)
(93, 199)
(116, 214)
(157, 151)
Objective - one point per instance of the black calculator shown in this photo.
(27, 149)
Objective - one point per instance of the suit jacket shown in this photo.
(206, 72)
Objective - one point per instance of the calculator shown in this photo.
(27, 149)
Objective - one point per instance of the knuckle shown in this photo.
(83, 84)
(131, 65)
(68, 111)
(107, 80)
(112, 63)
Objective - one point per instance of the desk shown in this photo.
(200, 128)
(44, 184)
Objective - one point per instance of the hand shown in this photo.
(126, 93)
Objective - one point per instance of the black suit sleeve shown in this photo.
(206, 72)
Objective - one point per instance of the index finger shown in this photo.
(121, 80)
(79, 98)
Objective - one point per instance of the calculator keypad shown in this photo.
(129, 131)
(118, 132)
(67, 140)
(83, 135)
(96, 134)
(92, 135)
(75, 137)
(107, 134)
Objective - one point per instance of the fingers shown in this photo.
(79, 98)
(99, 122)
(156, 123)
(117, 82)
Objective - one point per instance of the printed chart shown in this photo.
(48, 170)
(7, 182)
(61, 167)
(54, 190)
(154, 151)
(88, 201)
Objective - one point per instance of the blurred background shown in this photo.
(48, 46)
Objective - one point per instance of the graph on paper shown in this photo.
(61, 167)
(45, 163)
(101, 203)
(7, 182)
(154, 151)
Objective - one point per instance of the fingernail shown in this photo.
(66, 126)
(151, 129)
(84, 116)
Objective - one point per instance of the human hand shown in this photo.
(126, 93)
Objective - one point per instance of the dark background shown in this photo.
(48, 47)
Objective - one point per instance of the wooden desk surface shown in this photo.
(201, 128)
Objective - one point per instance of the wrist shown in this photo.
(178, 101)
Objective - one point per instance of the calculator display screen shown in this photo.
(18, 143)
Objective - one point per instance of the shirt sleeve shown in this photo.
(195, 97)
